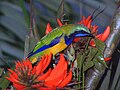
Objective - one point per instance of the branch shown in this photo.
(93, 76)
(30, 39)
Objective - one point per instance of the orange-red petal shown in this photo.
(34, 70)
(19, 86)
(27, 63)
(18, 65)
(43, 64)
(88, 20)
(92, 43)
(44, 76)
(48, 28)
(59, 22)
(66, 80)
(105, 34)
(94, 29)
(107, 59)
(37, 85)
(47, 61)
(55, 81)
(99, 36)
(12, 79)
(13, 73)
(61, 66)
(40, 66)
(47, 88)
(89, 24)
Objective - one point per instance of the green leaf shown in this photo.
(70, 57)
(100, 45)
(72, 50)
(4, 82)
(98, 61)
(75, 64)
(80, 60)
(98, 65)
(99, 56)
(71, 53)
(88, 65)
(1, 71)
(92, 54)
(101, 60)
(81, 57)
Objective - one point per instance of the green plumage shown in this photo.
(62, 32)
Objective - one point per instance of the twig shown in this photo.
(31, 19)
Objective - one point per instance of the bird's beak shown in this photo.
(91, 35)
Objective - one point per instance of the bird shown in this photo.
(58, 40)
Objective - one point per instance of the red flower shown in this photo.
(25, 76)
(88, 22)
(103, 36)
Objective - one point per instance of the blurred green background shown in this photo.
(14, 26)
